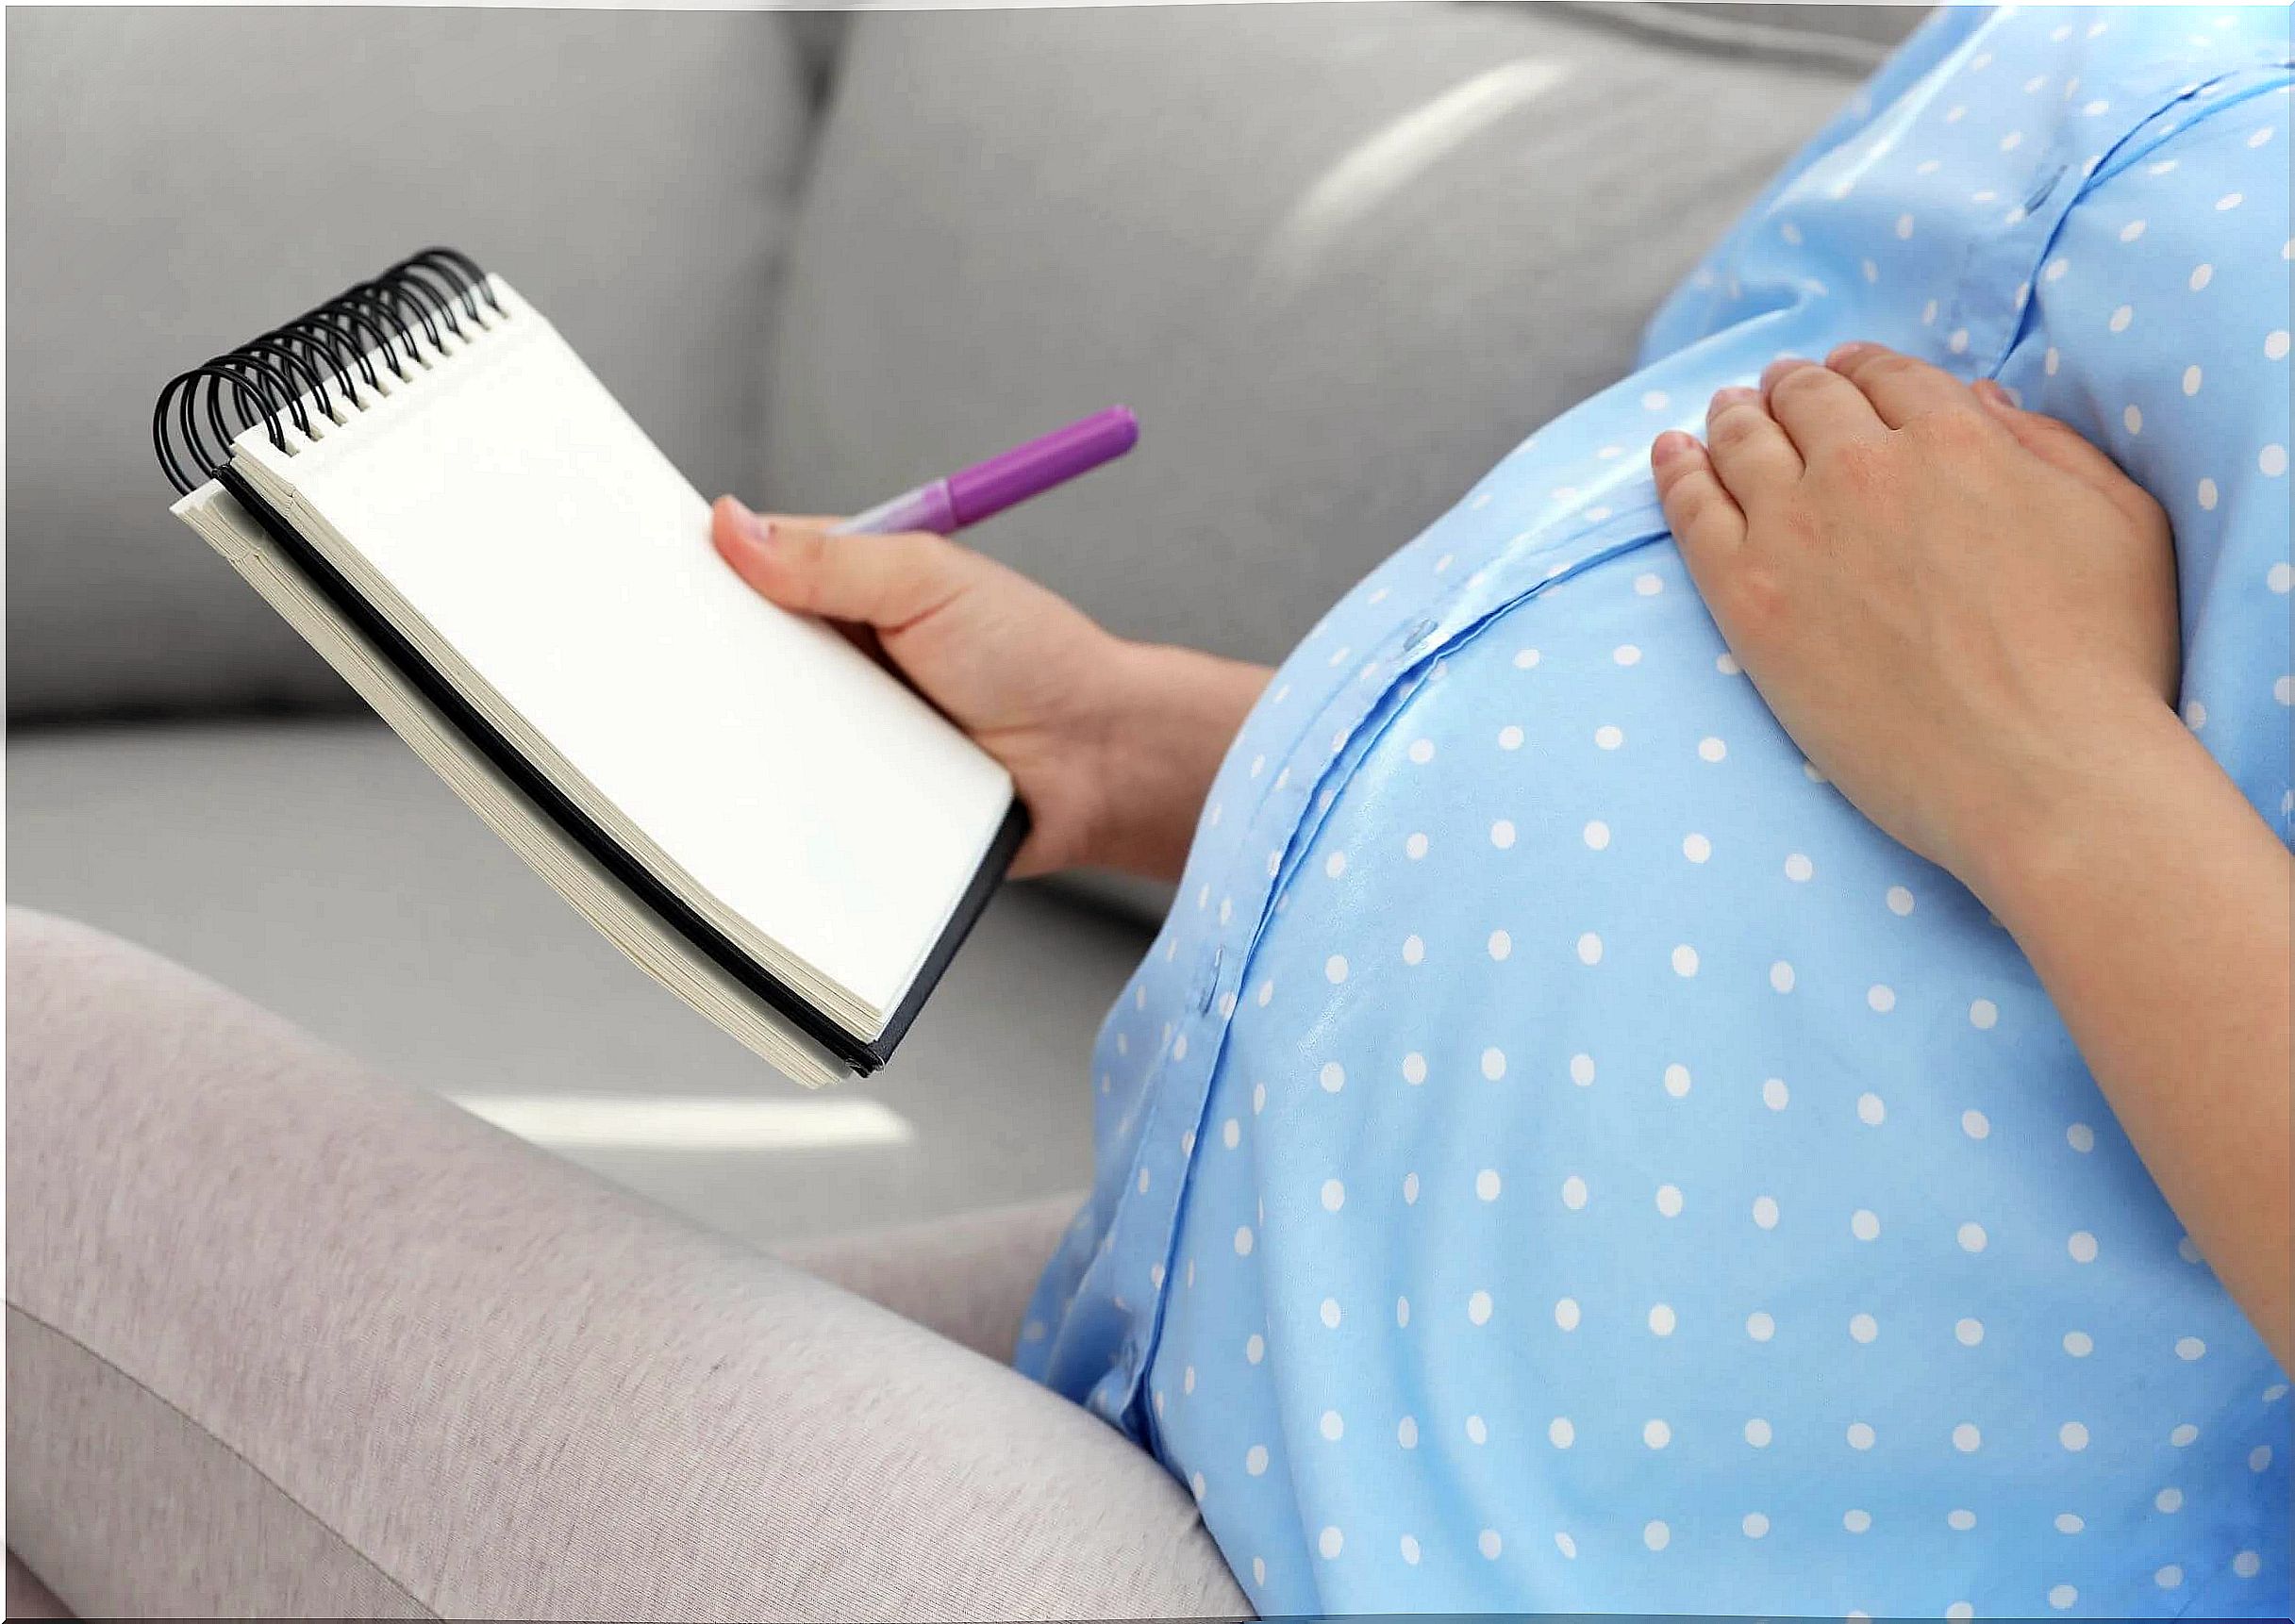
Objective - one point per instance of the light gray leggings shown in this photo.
(284, 1337)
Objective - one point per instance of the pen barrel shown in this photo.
(987, 488)
(990, 488)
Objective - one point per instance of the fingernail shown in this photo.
(1733, 395)
(1669, 445)
(1995, 397)
(1843, 354)
(755, 525)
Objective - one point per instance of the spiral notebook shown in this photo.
(426, 482)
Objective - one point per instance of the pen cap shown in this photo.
(1026, 470)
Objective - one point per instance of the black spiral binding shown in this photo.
(318, 361)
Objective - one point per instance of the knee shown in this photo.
(57, 966)
(75, 996)
(106, 1044)
(73, 1000)
(64, 981)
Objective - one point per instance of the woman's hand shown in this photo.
(1111, 744)
(1966, 616)
(1959, 610)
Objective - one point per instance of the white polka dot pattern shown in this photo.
(1754, 1241)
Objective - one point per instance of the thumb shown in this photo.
(882, 580)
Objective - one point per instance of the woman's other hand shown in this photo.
(1111, 744)
(1966, 616)
(1961, 611)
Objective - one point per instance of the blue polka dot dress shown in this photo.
(1558, 1155)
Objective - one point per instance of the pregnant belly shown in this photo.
(1632, 1181)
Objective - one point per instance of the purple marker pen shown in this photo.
(966, 497)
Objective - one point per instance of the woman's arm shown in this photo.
(1111, 744)
(2154, 903)
(1176, 712)
(1964, 615)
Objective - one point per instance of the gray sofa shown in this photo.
(1339, 257)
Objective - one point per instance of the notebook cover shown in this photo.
(864, 1056)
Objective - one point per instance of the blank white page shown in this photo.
(531, 523)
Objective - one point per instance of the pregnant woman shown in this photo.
(1723, 1045)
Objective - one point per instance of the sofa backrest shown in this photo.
(1340, 259)
(180, 179)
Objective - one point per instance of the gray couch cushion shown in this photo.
(315, 866)
(180, 179)
(1339, 257)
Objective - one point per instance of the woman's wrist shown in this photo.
(1172, 713)
(2051, 823)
